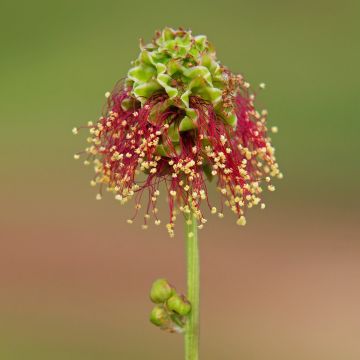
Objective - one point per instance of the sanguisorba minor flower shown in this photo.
(178, 121)
(182, 118)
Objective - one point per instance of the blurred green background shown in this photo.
(74, 277)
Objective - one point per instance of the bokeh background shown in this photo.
(74, 278)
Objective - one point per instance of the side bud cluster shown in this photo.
(171, 309)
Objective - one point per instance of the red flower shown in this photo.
(138, 146)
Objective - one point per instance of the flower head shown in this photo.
(182, 119)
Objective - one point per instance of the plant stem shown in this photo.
(193, 284)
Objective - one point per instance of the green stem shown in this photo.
(193, 284)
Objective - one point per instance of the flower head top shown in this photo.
(181, 119)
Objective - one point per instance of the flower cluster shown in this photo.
(178, 121)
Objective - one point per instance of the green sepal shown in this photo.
(127, 104)
(160, 68)
(168, 34)
(231, 119)
(189, 122)
(162, 150)
(198, 72)
(186, 124)
(185, 98)
(173, 133)
(141, 73)
(146, 58)
(210, 94)
(164, 80)
(200, 41)
(173, 66)
(210, 64)
(143, 91)
(159, 109)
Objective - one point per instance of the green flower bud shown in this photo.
(160, 291)
(179, 304)
(159, 316)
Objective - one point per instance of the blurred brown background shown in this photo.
(74, 278)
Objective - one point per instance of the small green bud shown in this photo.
(179, 304)
(160, 291)
(159, 316)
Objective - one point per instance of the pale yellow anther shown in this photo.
(93, 183)
(76, 156)
(157, 222)
(118, 197)
(98, 197)
(241, 221)
(129, 221)
(107, 94)
(271, 188)
(221, 215)
(274, 129)
(75, 131)
(223, 139)
(144, 226)
(262, 206)
(262, 86)
(173, 193)
(213, 210)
